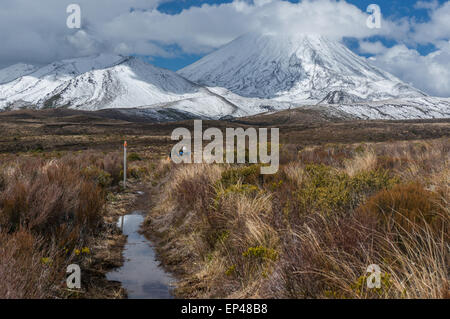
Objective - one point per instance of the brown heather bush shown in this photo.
(311, 230)
(22, 270)
(48, 207)
(42, 196)
(406, 205)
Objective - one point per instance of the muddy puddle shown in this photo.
(141, 274)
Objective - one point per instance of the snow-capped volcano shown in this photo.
(295, 68)
(253, 74)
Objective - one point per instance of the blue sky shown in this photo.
(391, 9)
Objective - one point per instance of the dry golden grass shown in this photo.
(328, 258)
(311, 230)
(365, 161)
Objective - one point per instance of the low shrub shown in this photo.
(262, 253)
(137, 172)
(133, 157)
(47, 207)
(245, 174)
(98, 175)
(113, 165)
(406, 205)
(312, 229)
(22, 270)
(331, 155)
(51, 195)
(328, 190)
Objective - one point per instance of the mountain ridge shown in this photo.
(278, 74)
(108, 81)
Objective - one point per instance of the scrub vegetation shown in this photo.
(53, 212)
(348, 194)
(311, 230)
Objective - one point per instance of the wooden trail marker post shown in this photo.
(125, 164)
(124, 175)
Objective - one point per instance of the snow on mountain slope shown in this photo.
(28, 90)
(251, 75)
(130, 83)
(294, 69)
(399, 109)
(106, 81)
(16, 71)
(347, 107)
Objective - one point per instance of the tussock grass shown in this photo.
(311, 230)
(361, 162)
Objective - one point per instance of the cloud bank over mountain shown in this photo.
(35, 31)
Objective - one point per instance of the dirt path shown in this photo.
(107, 249)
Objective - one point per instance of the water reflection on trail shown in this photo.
(140, 274)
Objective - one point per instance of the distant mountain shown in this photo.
(256, 73)
(295, 68)
(107, 81)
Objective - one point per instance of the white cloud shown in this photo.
(430, 73)
(437, 29)
(201, 29)
(371, 47)
(41, 35)
(35, 31)
(82, 42)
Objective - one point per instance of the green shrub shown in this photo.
(240, 189)
(261, 253)
(133, 157)
(136, 172)
(360, 286)
(98, 175)
(245, 174)
(133, 172)
(328, 190)
(231, 270)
